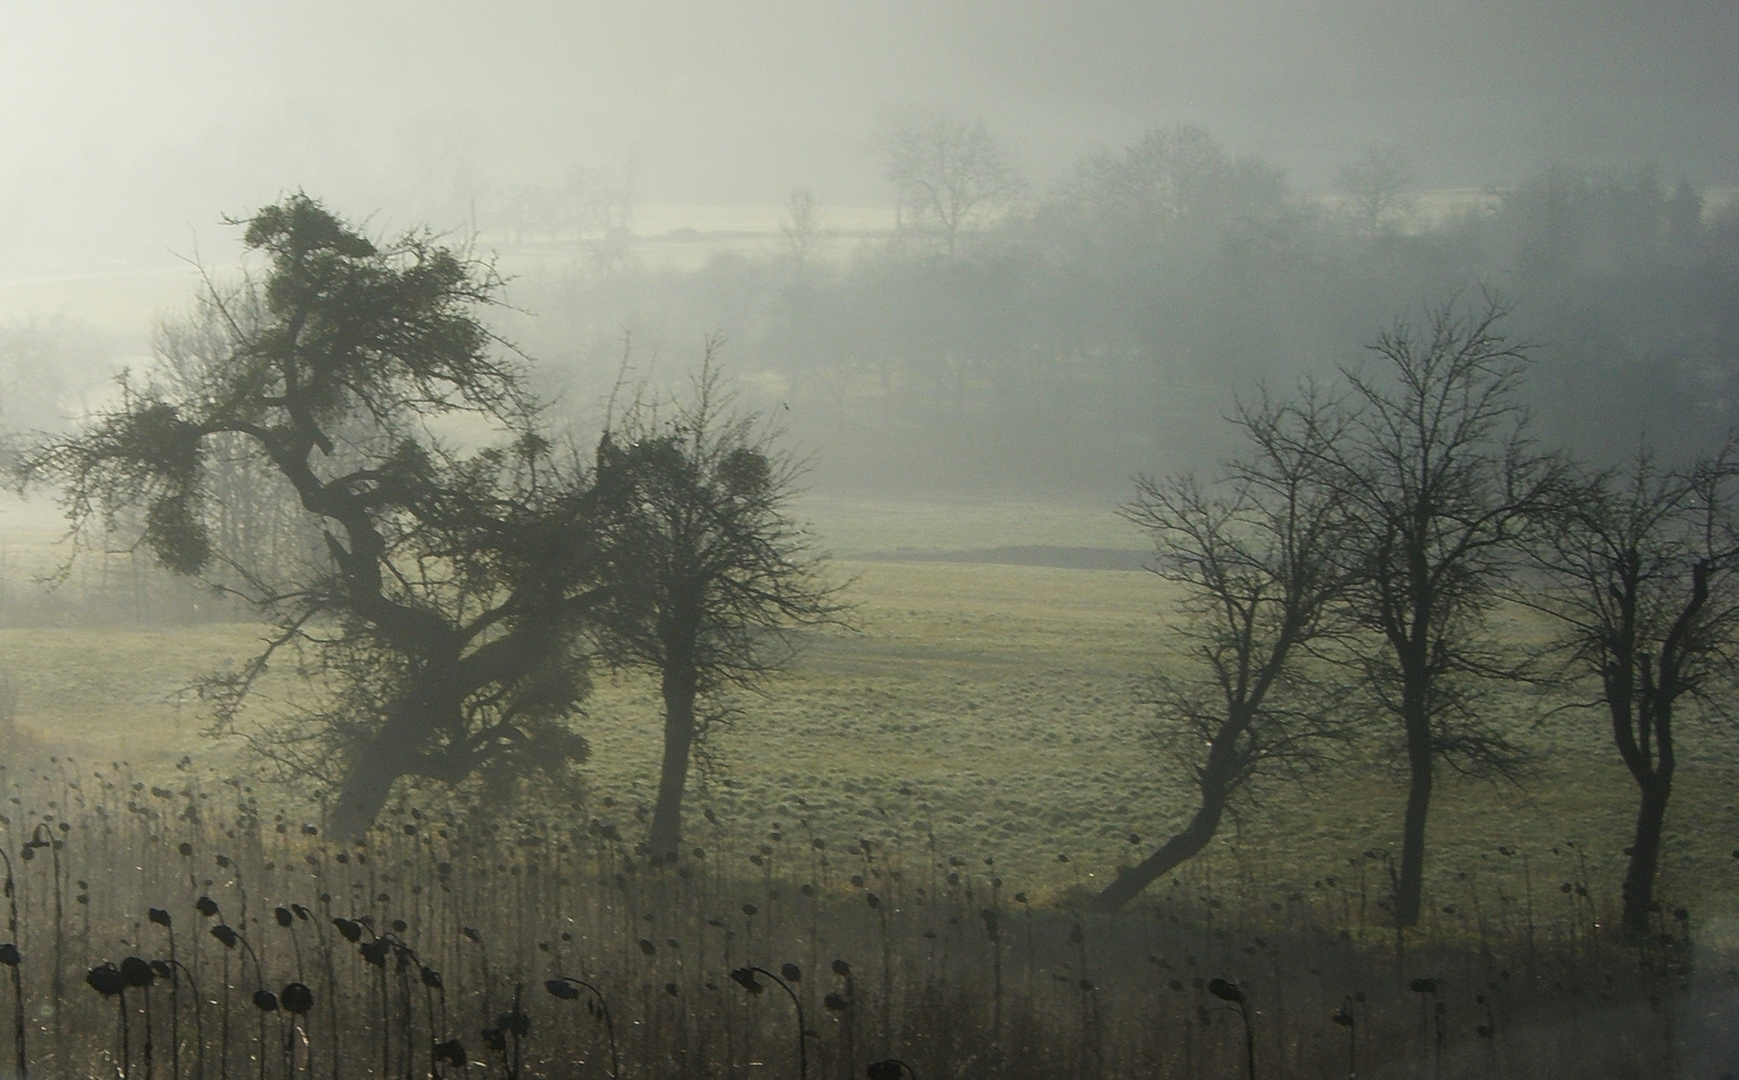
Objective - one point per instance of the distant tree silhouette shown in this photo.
(1377, 188)
(950, 176)
(1173, 184)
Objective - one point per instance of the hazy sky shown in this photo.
(126, 124)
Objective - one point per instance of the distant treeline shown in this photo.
(1042, 340)
(1059, 342)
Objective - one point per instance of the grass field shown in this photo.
(995, 707)
(973, 713)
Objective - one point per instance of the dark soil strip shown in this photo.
(1066, 558)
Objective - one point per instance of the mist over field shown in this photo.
(632, 172)
(1112, 539)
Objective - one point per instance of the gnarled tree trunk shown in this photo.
(1222, 772)
(366, 786)
(397, 750)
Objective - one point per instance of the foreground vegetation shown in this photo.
(976, 712)
(1004, 701)
(533, 945)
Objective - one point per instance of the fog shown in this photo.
(128, 126)
(784, 450)
(631, 165)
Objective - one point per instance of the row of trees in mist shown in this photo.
(1016, 334)
(1343, 571)
(51, 371)
(344, 446)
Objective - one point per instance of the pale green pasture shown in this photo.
(860, 526)
(997, 708)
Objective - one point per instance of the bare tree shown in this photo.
(50, 370)
(1260, 582)
(1440, 480)
(708, 572)
(1173, 182)
(1378, 188)
(802, 229)
(950, 176)
(1643, 568)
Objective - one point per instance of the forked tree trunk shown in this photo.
(1645, 853)
(679, 684)
(1641, 694)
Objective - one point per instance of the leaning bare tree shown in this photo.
(709, 572)
(1643, 572)
(1255, 561)
(1441, 481)
(445, 619)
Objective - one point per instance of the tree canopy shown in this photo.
(447, 609)
(709, 573)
